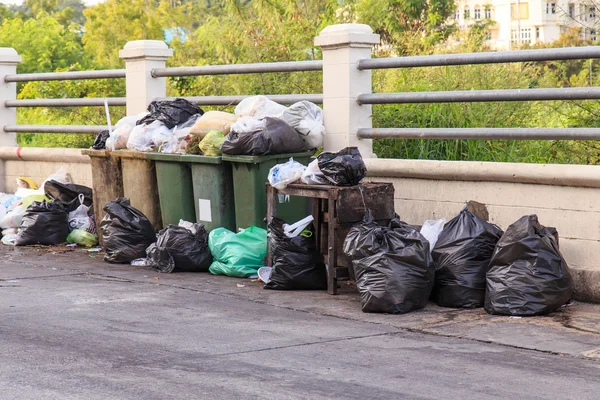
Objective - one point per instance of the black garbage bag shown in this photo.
(344, 168)
(528, 275)
(178, 249)
(462, 257)
(126, 232)
(392, 264)
(297, 264)
(44, 223)
(277, 138)
(170, 112)
(68, 194)
(100, 141)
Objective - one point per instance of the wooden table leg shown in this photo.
(332, 256)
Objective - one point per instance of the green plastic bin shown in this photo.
(249, 178)
(213, 191)
(175, 188)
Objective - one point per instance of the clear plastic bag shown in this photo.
(431, 229)
(259, 107)
(307, 119)
(313, 175)
(13, 218)
(80, 219)
(282, 175)
(143, 137)
(248, 125)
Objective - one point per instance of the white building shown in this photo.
(529, 21)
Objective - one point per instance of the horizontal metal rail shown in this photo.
(55, 128)
(472, 96)
(66, 76)
(88, 102)
(233, 69)
(438, 60)
(481, 133)
(234, 100)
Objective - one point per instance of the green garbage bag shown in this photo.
(35, 197)
(82, 238)
(239, 255)
(211, 144)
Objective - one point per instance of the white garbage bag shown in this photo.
(122, 130)
(249, 125)
(307, 119)
(13, 218)
(313, 175)
(282, 175)
(259, 107)
(143, 137)
(431, 230)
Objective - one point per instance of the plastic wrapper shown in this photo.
(13, 218)
(312, 175)
(43, 223)
(344, 168)
(249, 125)
(297, 263)
(170, 112)
(277, 138)
(528, 275)
(80, 219)
(307, 119)
(282, 175)
(462, 257)
(431, 230)
(213, 121)
(211, 144)
(259, 107)
(179, 249)
(82, 238)
(126, 232)
(392, 264)
(239, 255)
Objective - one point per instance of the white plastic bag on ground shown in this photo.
(249, 125)
(10, 240)
(313, 175)
(307, 119)
(282, 175)
(213, 121)
(259, 107)
(13, 218)
(79, 218)
(431, 230)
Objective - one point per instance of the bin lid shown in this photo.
(130, 154)
(193, 158)
(95, 153)
(173, 157)
(261, 159)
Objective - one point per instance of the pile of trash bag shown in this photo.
(527, 275)
(276, 138)
(297, 263)
(239, 255)
(392, 264)
(126, 232)
(344, 168)
(307, 119)
(462, 257)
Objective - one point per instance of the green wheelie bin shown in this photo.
(249, 178)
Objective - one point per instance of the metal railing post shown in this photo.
(9, 59)
(141, 57)
(343, 46)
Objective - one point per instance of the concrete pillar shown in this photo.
(343, 45)
(8, 91)
(141, 56)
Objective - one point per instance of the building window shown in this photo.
(572, 10)
(525, 36)
(537, 32)
(550, 8)
(488, 35)
(592, 12)
(467, 14)
(593, 36)
(488, 13)
(477, 13)
(520, 12)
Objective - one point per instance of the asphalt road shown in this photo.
(67, 335)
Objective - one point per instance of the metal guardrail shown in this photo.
(495, 57)
(481, 133)
(234, 100)
(55, 128)
(87, 102)
(66, 76)
(291, 66)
